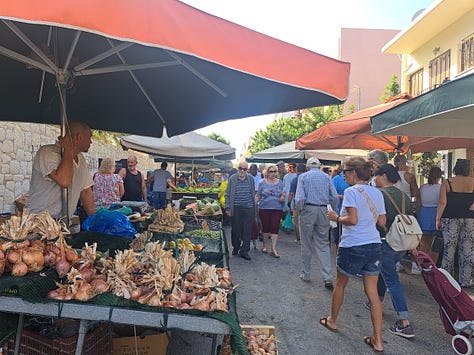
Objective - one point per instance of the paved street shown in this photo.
(271, 293)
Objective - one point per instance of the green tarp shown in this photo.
(447, 111)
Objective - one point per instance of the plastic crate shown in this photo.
(98, 341)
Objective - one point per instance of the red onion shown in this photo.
(13, 256)
(62, 267)
(19, 269)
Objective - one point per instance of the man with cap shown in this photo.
(240, 207)
(281, 170)
(315, 190)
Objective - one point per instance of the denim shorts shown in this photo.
(360, 260)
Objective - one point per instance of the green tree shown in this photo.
(107, 137)
(218, 137)
(288, 129)
(392, 89)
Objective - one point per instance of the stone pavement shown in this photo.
(271, 293)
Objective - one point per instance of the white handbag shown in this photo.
(405, 232)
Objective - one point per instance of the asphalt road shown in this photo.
(271, 293)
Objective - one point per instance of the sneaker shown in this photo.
(399, 267)
(245, 256)
(235, 251)
(400, 330)
(415, 269)
(304, 278)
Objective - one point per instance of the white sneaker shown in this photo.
(399, 267)
(415, 269)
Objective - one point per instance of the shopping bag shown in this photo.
(404, 233)
(287, 226)
(113, 223)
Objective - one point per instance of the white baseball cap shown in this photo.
(314, 162)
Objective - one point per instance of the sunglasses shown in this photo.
(272, 171)
(243, 169)
(347, 170)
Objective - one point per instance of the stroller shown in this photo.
(456, 307)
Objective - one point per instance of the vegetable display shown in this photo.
(201, 233)
(167, 220)
(260, 343)
(34, 241)
(153, 277)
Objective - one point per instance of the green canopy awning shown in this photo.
(447, 111)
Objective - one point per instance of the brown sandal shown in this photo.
(264, 250)
(275, 254)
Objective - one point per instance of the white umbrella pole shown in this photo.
(64, 129)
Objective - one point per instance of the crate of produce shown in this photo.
(98, 341)
(261, 339)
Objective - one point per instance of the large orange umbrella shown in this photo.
(354, 132)
(136, 66)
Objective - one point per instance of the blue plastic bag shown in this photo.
(110, 222)
(288, 225)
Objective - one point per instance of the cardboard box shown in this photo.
(267, 330)
(150, 345)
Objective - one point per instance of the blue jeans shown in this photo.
(359, 260)
(159, 200)
(388, 279)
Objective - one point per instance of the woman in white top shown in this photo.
(407, 182)
(360, 249)
(429, 196)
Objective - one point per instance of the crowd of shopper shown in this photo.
(365, 195)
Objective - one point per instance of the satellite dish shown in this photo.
(418, 13)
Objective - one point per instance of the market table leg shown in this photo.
(19, 330)
(81, 336)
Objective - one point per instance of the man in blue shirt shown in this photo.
(300, 169)
(161, 179)
(314, 192)
(340, 184)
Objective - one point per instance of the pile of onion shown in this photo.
(260, 343)
(22, 257)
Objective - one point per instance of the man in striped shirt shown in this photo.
(240, 206)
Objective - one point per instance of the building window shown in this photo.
(439, 69)
(416, 83)
(467, 53)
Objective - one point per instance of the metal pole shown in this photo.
(19, 331)
(64, 192)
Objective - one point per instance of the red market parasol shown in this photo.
(354, 132)
(137, 66)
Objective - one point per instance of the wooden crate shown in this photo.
(267, 330)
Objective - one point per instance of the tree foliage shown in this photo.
(218, 137)
(287, 129)
(391, 89)
(107, 137)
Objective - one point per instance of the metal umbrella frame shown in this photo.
(138, 67)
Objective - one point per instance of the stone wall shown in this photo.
(19, 143)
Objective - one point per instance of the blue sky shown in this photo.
(312, 24)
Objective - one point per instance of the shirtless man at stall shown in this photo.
(53, 171)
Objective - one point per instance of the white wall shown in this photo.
(19, 142)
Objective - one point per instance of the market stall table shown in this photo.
(109, 308)
(90, 312)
